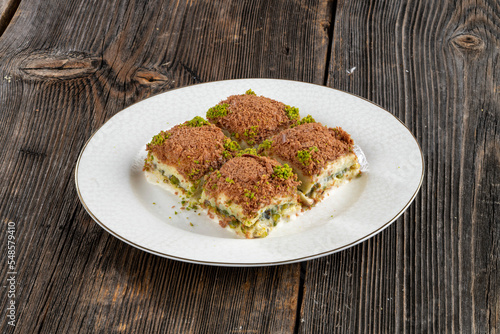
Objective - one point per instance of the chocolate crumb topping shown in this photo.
(252, 182)
(193, 148)
(251, 118)
(309, 147)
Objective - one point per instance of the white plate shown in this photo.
(114, 191)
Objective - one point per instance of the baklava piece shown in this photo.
(321, 157)
(249, 119)
(178, 158)
(251, 194)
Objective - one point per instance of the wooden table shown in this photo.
(68, 66)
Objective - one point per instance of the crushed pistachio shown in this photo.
(266, 144)
(160, 138)
(292, 112)
(217, 111)
(250, 92)
(194, 171)
(307, 119)
(304, 156)
(282, 172)
(197, 122)
(228, 180)
(252, 132)
(231, 145)
(249, 194)
(247, 151)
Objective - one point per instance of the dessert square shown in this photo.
(249, 119)
(178, 158)
(251, 194)
(322, 157)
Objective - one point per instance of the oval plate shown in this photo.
(114, 191)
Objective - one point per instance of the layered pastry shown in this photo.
(251, 194)
(179, 158)
(249, 119)
(322, 157)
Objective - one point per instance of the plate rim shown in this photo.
(250, 264)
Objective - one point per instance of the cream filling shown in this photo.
(334, 173)
(261, 223)
(169, 178)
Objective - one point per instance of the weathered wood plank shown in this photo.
(7, 11)
(435, 65)
(67, 66)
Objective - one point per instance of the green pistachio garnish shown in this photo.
(228, 180)
(266, 144)
(160, 138)
(307, 119)
(194, 171)
(247, 151)
(292, 112)
(250, 92)
(252, 132)
(282, 172)
(304, 156)
(219, 110)
(231, 145)
(249, 194)
(197, 122)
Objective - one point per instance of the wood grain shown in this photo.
(435, 65)
(7, 11)
(67, 67)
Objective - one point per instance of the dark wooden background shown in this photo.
(68, 66)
